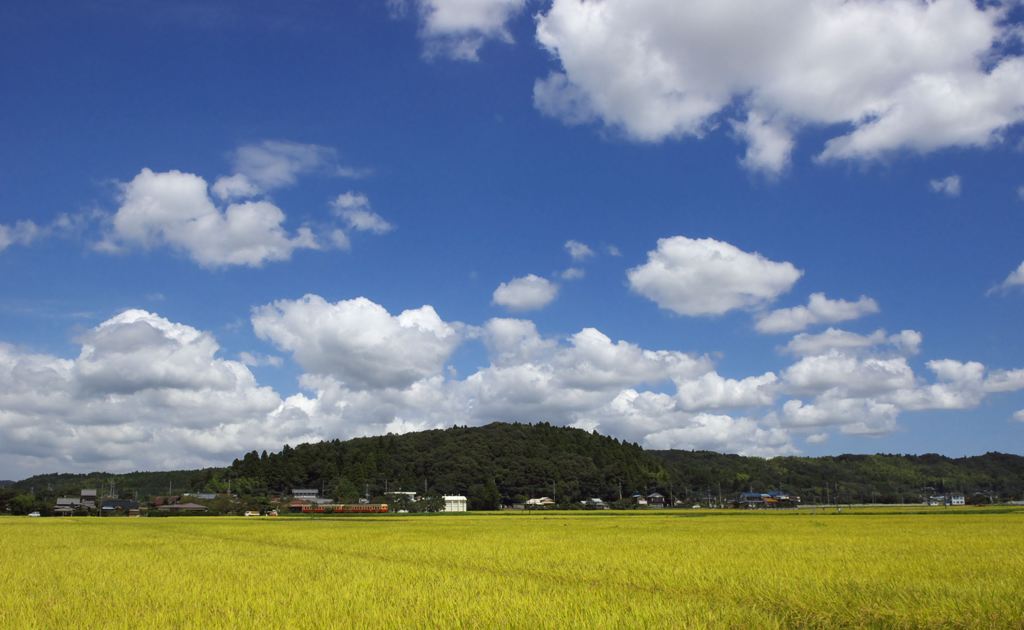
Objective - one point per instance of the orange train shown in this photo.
(346, 508)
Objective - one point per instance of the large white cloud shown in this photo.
(866, 394)
(708, 277)
(357, 341)
(174, 209)
(891, 74)
(526, 293)
(819, 310)
(144, 392)
(712, 391)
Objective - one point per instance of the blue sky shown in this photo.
(226, 227)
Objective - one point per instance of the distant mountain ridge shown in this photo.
(509, 462)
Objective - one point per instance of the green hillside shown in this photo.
(504, 463)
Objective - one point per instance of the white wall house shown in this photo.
(455, 503)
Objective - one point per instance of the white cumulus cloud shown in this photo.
(357, 341)
(355, 209)
(879, 75)
(143, 393)
(459, 28)
(174, 209)
(578, 251)
(708, 277)
(819, 310)
(906, 342)
(527, 293)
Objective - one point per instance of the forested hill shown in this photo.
(511, 462)
(855, 478)
(487, 464)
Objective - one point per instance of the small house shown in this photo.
(182, 508)
(87, 497)
(119, 507)
(541, 502)
(656, 500)
(455, 503)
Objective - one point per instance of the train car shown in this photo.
(346, 508)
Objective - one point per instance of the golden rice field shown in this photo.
(946, 568)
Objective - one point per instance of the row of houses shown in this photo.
(301, 497)
(87, 503)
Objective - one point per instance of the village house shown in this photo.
(119, 507)
(181, 508)
(656, 500)
(88, 497)
(455, 503)
(540, 502)
(66, 506)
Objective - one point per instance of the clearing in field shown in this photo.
(943, 568)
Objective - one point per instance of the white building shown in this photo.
(454, 503)
(305, 494)
(957, 499)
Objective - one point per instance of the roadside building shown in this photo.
(656, 500)
(594, 503)
(87, 497)
(956, 499)
(305, 494)
(119, 507)
(183, 508)
(540, 503)
(455, 503)
(67, 506)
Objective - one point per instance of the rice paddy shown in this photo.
(944, 567)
